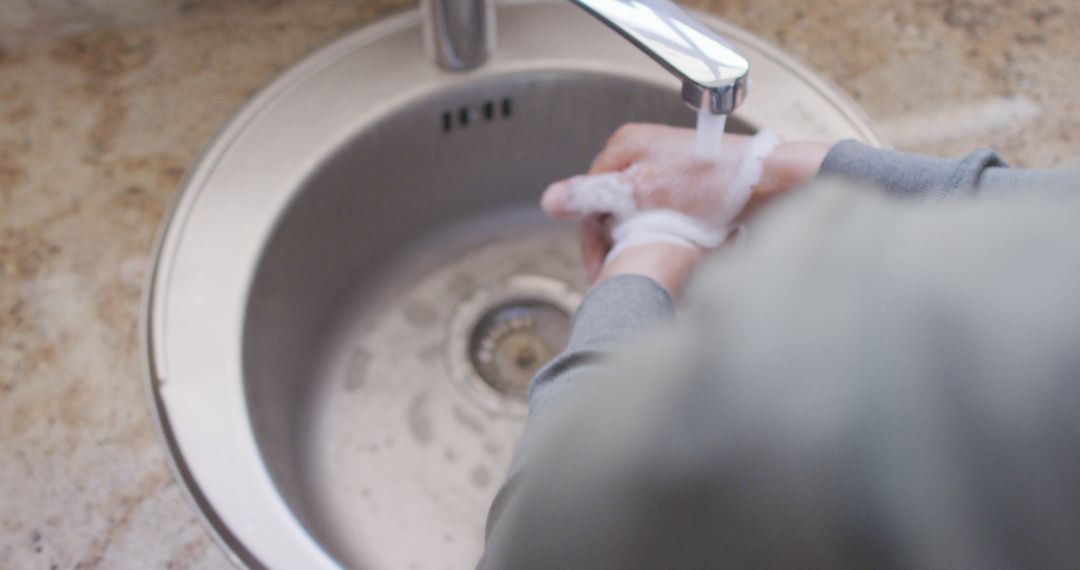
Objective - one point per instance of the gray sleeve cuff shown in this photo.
(907, 175)
(1010, 180)
(613, 311)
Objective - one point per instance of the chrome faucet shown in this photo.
(715, 78)
(459, 34)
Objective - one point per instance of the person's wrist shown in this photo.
(668, 264)
(790, 165)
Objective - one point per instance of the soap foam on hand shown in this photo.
(609, 193)
(612, 193)
(662, 226)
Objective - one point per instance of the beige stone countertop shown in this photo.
(104, 103)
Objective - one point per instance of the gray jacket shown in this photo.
(868, 382)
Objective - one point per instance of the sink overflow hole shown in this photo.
(489, 111)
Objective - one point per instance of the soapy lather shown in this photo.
(612, 193)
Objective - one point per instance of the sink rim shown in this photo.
(172, 230)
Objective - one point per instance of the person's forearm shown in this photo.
(790, 165)
(615, 310)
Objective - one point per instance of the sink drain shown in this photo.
(502, 335)
(512, 341)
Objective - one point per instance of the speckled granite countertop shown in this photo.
(104, 103)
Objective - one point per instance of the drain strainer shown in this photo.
(512, 341)
(501, 336)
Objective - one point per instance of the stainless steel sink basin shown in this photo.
(355, 282)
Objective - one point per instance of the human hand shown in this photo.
(668, 264)
(652, 171)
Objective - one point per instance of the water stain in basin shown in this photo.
(462, 284)
(418, 420)
(420, 315)
(357, 370)
(471, 422)
(430, 353)
(492, 448)
(480, 476)
(367, 448)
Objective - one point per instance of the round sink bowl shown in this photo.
(355, 283)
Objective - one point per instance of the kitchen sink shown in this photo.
(355, 283)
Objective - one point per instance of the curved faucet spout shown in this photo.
(460, 34)
(715, 77)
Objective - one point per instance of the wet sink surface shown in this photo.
(355, 282)
(379, 396)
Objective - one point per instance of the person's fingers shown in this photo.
(628, 144)
(557, 199)
(579, 196)
(594, 245)
(616, 157)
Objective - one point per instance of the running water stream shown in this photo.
(710, 134)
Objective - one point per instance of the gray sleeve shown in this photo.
(997, 180)
(909, 175)
(613, 312)
(913, 176)
(918, 177)
(851, 390)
